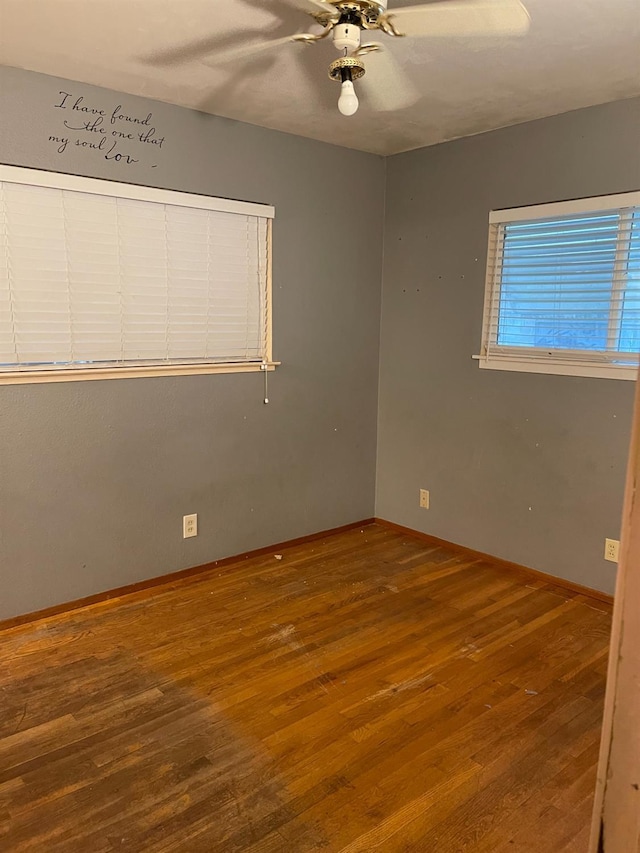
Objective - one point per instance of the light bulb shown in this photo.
(348, 101)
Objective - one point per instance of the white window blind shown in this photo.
(108, 278)
(563, 288)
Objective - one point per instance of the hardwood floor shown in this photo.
(367, 692)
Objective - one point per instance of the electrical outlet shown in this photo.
(189, 525)
(424, 498)
(611, 548)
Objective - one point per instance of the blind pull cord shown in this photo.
(265, 369)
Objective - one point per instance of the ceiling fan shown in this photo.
(387, 84)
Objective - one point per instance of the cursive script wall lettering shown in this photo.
(110, 132)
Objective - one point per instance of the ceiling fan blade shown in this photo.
(386, 84)
(247, 51)
(461, 18)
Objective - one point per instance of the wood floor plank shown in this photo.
(365, 692)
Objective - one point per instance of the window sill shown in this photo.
(559, 368)
(74, 374)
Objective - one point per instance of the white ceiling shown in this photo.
(577, 53)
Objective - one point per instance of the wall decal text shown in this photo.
(111, 132)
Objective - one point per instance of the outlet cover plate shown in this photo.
(611, 549)
(189, 525)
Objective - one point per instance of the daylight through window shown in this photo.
(563, 288)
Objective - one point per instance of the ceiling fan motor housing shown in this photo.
(368, 7)
(346, 36)
(349, 18)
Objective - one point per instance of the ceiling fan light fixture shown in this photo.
(344, 71)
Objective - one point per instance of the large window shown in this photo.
(102, 279)
(563, 288)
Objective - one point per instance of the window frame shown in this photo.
(138, 192)
(526, 359)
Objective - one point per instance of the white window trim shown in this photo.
(560, 208)
(56, 180)
(72, 374)
(558, 368)
(137, 192)
(571, 364)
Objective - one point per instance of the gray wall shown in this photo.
(95, 477)
(526, 467)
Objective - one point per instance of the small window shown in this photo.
(104, 280)
(563, 288)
